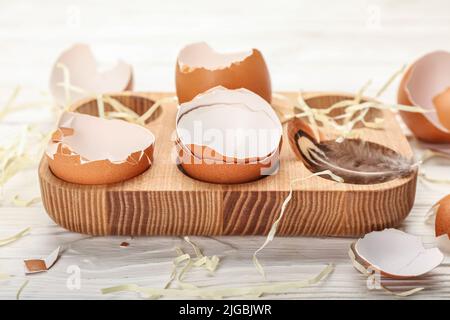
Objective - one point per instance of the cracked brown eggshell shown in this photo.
(91, 150)
(200, 68)
(238, 115)
(426, 84)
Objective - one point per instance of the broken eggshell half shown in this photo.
(228, 136)
(84, 77)
(354, 160)
(200, 68)
(426, 84)
(397, 254)
(91, 150)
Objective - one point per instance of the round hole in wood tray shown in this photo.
(351, 154)
(326, 100)
(139, 103)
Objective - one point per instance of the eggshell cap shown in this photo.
(200, 68)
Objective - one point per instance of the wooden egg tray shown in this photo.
(164, 201)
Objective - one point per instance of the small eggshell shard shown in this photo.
(397, 254)
(91, 150)
(443, 243)
(199, 68)
(124, 244)
(41, 265)
(78, 66)
(442, 220)
(228, 136)
(426, 84)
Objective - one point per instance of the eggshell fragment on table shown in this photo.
(427, 84)
(91, 150)
(440, 148)
(228, 136)
(443, 243)
(41, 265)
(78, 66)
(397, 254)
(200, 68)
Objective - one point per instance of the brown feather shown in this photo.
(354, 160)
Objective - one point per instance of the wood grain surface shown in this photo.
(164, 201)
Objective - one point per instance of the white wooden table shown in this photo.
(310, 45)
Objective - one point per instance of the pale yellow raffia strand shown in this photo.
(66, 84)
(100, 106)
(120, 108)
(16, 157)
(9, 171)
(220, 292)
(431, 213)
(5, 241)
(22, 287)
(427, 178)
(13, 158)
(390, 80)
(429, 154)
(158, 103)
(122, 111)
(182, 257)
(25, 203)
(286, 201)
(351, 108)
(310, 115)
(9, 103)
(370, 275)
(209, 263)
(11, 107)
(185, 258)
(390, 107)
(4, 276)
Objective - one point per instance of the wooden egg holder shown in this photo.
(164, 201)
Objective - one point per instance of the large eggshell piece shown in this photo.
(426, 84)
(200, 68)
(84, 74)
(397, 254)
(228, 136)
(442, 221)
(92, 150)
